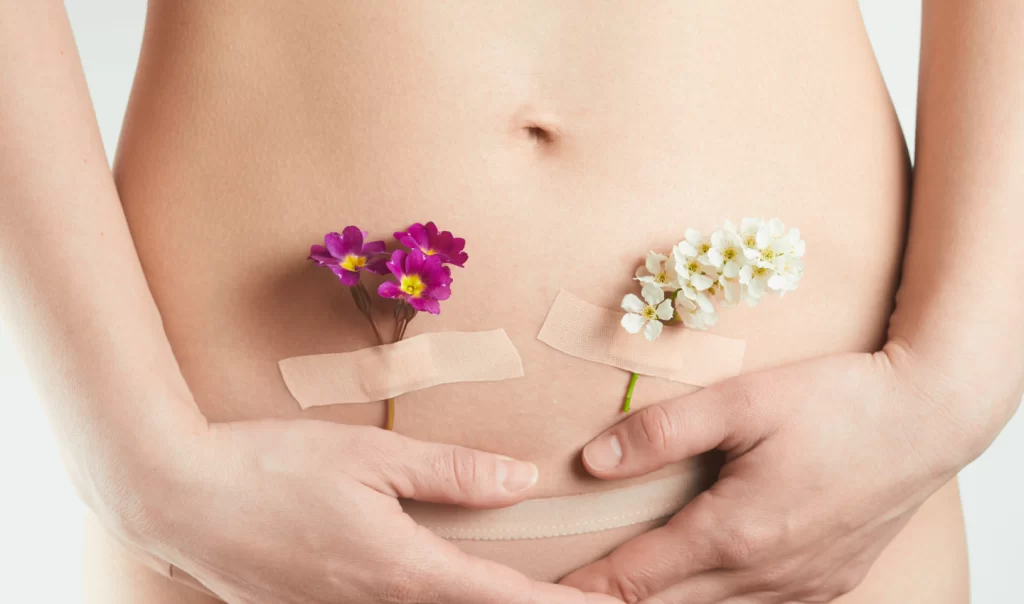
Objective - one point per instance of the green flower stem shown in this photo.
(629, 392)
(390, 425)
(365, 306)
(404, 314)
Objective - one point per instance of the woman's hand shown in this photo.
(826, 461)
(306, 512)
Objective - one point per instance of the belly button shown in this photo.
(539, 128)
(540, 134)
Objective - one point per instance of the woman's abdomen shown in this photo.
(562, 144)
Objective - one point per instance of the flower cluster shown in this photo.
(733, 264)
(422, 274)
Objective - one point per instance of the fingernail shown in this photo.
(604, 453)
(515, 476)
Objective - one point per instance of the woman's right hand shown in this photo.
(304, 511)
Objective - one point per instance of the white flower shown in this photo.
(748, 231)
(659, 270)
(694, 275)
(771, 243)
(732, 289)
(647, 314)
(727, 252)
(788, 271)
(693, 315)
(776, 259)
(700, 245)
(754, 280)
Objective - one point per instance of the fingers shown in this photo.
(449, 576)
(660, 434)
(403, 467)
(712, 587)
(654, 561)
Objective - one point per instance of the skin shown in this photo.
(929, 413)
(103, 420)
(524, 126)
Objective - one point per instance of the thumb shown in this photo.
(400, 466)
(661, 434)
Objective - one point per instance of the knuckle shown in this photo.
(464, 469)
(628, 588)
(777, 576)
(738, 546)
(402, 585)
(744, 543)
(660, 427)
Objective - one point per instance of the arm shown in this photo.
(828, 459)
(74, 295)
(958, 314)
(321, 519)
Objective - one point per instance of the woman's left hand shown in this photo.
(826, 461)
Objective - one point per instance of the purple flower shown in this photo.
(422, 280)
(347, 255)
(428, 240)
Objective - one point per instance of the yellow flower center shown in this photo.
(650, 313)
(412, 285)
(729, 253)
(352, 262)
(662, 278)
(693, 266)
(704, 247)
(751, 241)
(768, 254)
(429, 252)
(760, 271)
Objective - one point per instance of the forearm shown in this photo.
(74, 296)
(958, 310)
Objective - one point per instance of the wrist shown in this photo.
(147, 472)
(956, 420)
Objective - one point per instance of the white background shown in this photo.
(40, 519)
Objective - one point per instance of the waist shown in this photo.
(561, 174)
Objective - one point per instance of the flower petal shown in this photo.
(415, 263)
(685, 249)
(633, 304)
(390, 289)
(397, 263)
(348, 278)
(705, 303)
(632, 322)
(378, 265)
(715, 257)
(665, 310)
(654, 262)
(426, 305)
(373, 247)
(701, 282)
(351, 241)
(652, 293)
(652, 330)
(441, 292)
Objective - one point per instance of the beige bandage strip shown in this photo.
(590, 332)
(561, 516)
(381, 372)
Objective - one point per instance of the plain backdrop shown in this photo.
(41, 520)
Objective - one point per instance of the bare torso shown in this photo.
(563, 142)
